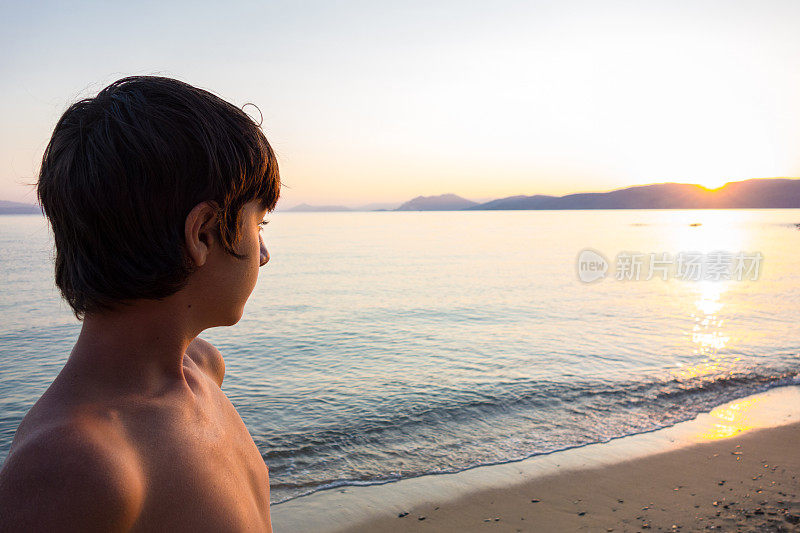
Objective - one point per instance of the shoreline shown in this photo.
(745, 483)
(593, 477)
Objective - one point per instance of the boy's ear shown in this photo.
(200, 231)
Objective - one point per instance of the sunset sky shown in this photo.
(379, 102)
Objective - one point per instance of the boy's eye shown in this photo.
(262, 224)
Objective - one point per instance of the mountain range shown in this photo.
(18, 208)
(747, 194)
(755, 193)
(443, 202)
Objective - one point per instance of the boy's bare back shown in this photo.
(135, 433)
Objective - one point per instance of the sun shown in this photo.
(712, 183)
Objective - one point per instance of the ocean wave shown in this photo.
(299, 461)
(526, 395)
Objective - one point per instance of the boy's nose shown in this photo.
(264, 253)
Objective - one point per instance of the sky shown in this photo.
(383, 101)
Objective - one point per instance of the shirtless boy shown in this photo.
(156, 191)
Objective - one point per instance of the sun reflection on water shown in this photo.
(707, 333)
(768, 409)
(710, 332)
(707, 336)
(706, 231)
(731, 419)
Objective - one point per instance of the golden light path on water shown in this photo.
(710, 333)
(714, 324)
(768, 409)
(731, 419)
(708, 337)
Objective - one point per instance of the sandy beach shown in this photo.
(749, 482)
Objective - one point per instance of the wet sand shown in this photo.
(749, 482)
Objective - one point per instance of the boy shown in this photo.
(155, 191)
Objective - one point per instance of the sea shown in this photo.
(379, 346)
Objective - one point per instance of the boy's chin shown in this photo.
(229, 319)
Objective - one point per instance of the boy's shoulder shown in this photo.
(71, 471)
(207, 358)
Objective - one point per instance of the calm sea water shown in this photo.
(386, 345)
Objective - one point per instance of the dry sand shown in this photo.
(746, 483)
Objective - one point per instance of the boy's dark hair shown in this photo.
(124, 169)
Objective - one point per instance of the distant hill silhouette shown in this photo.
(755, 193)
(517, 202)
(18, 208)
(377, 206)
(318, 208)
(443, 202)
(759, 193)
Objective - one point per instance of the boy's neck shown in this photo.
(136, 346)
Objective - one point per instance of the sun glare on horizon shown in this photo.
(713, 184)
